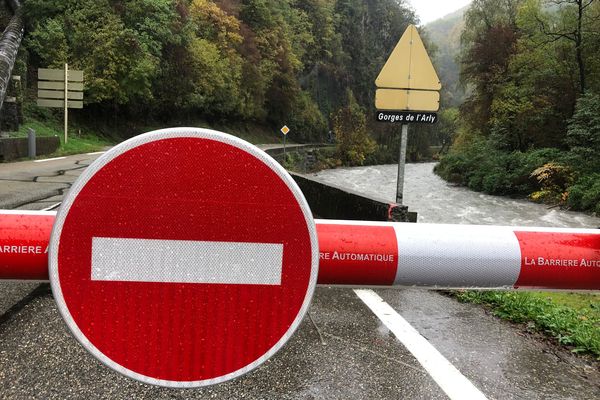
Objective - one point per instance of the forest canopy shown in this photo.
(530, 123)
(269, 61)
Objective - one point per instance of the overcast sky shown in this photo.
(430, 10)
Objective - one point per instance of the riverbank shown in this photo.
(548, 176)
(569, 319)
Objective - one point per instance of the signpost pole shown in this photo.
(401, 164)
(285, 130)
(66, 100)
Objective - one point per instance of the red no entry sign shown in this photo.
(183, 257)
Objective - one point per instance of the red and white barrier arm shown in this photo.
(24, 237)
(387, 254)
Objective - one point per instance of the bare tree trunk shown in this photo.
(579, 45)
(9, 46)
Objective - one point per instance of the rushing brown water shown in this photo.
(437, 201)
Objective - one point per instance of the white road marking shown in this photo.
(93, 154)
(50, 159)
(186, 261)
(27, 212)
(448, 378)
(52, 207)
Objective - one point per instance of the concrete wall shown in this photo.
(14, 148)
(331, 202)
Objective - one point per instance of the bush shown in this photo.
(349, 126)
(306, 121)
(554, 179)
(583, 135)
(585, 193)
(382, 155)
(482, 167)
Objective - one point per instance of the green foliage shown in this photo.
(447, 127)
(585, 193)
(527, 64)
(583, 134)
(531, 125)
(271, 62)
(305, 120)
(119, 56)
(50, 32)
(349, 127)
(481, 167)
(576, 327)
(554, 180)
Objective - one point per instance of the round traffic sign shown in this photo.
(183, 257)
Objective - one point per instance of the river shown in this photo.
(437, 201)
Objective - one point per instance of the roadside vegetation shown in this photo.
(81, 140)
(570, 319)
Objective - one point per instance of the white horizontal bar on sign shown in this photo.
(186, 261)
(59, 103)
(59, 94)
(59, 75)
(47, 85)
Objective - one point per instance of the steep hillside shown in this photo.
(445, 34)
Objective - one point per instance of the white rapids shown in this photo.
(437, 201)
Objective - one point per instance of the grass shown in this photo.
(86, 139)
(78, 142)
(571, 319)
(248, 131)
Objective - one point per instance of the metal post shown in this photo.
(31, 150)
(284, 139)
(66, 100)
(401, 164)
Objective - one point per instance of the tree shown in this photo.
(570, 24)
(10, 42)
(120, 56)
(350, 130)
(488, 43)
(583, 134)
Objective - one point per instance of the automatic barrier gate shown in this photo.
(386, 254)
(186, 257)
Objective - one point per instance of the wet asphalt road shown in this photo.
(342, 351)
